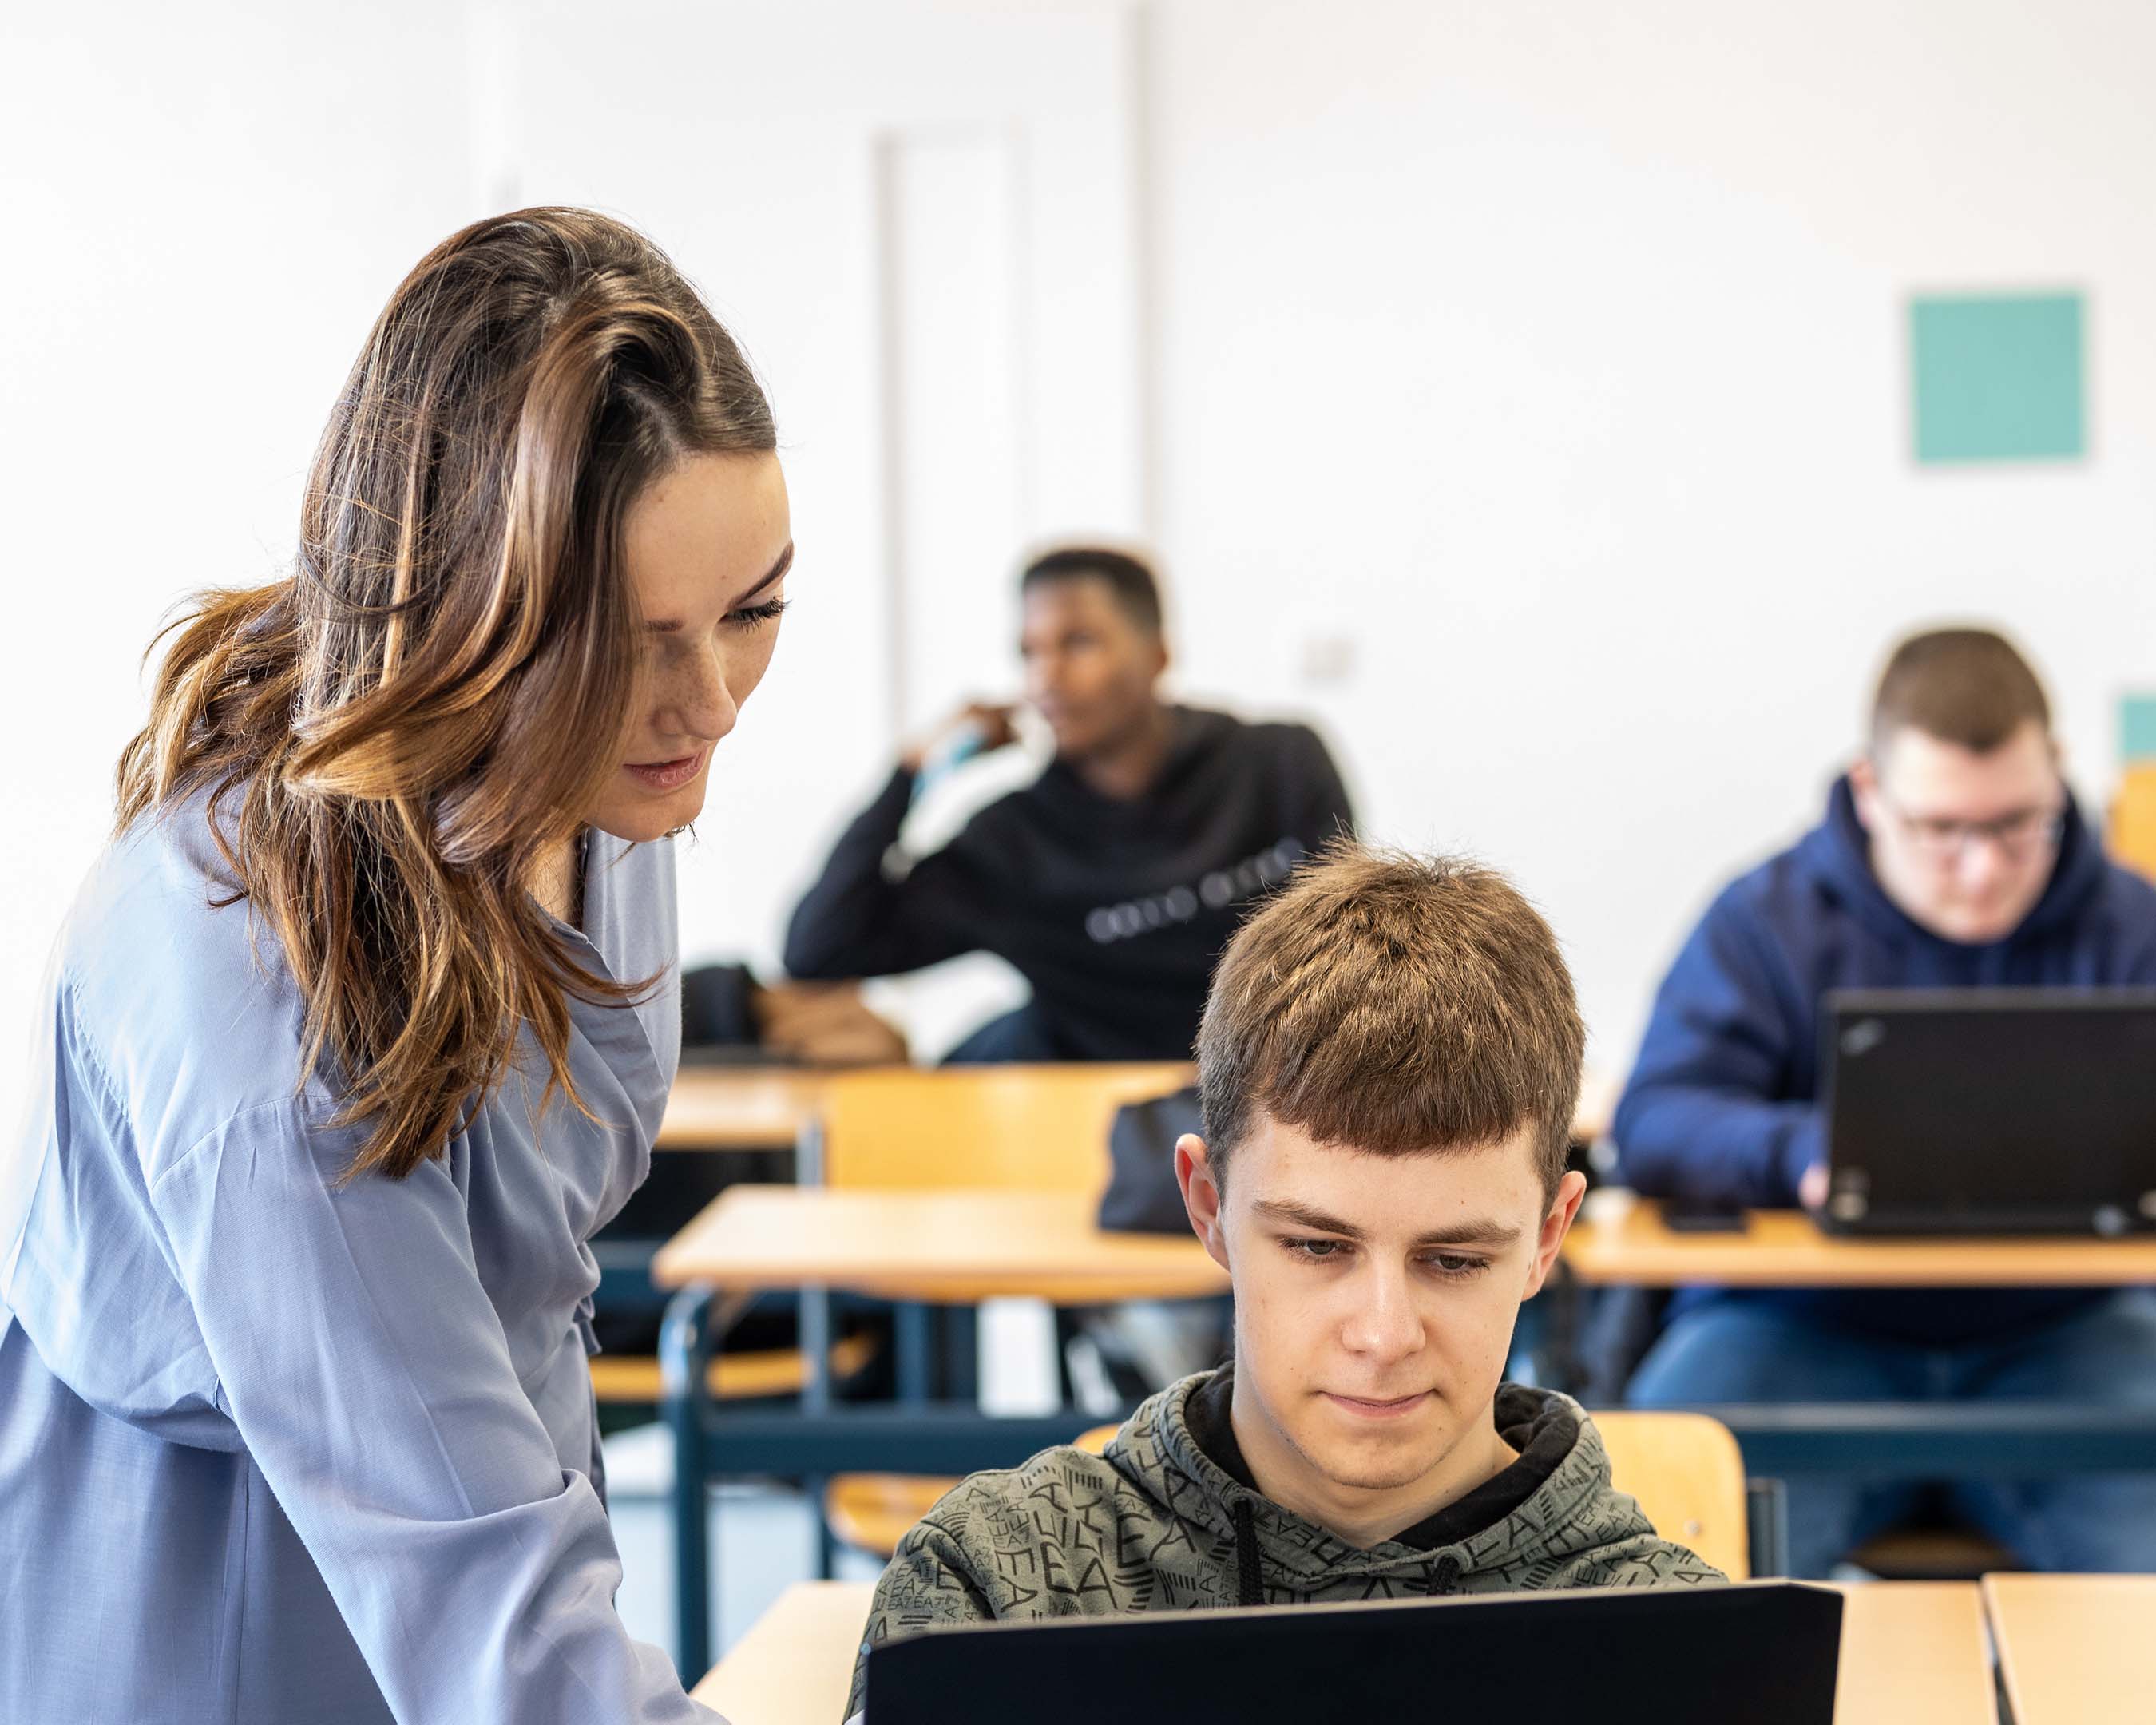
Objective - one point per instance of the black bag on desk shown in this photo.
(715, 1008)
(1142, 1197)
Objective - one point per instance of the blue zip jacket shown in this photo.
(1722, 1106)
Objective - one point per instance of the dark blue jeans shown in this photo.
(1733, 1350)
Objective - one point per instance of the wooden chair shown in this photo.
(873, 1512)
(1687, 1476)
(1026, 1128)
(1036, 1128)
(1917, 1553)
(632, 1379)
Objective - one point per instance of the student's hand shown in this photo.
(825, 1024)
(1812, 1188)
(989, 721)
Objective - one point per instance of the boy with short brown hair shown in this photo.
(1388, 1065)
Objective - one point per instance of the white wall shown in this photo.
(1517, 389)
(204, 206)
(1547, 359)
(785, 153)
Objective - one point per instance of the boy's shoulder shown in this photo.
(1629, 1558)
(1599, 1535)
(1061, 1496)
(1054, 1537)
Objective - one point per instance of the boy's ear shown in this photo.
(1864, 791)
(1201, 1195)
(1556, 1222)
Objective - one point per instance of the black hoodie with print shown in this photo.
(1113, 910)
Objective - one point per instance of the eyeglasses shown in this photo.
(2017, 836)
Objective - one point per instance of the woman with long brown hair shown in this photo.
(365, 1022)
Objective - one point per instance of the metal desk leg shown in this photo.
(961, 1352)
(1766, 1518)
(815, 1402)
(685, 1353)
(915, 1340)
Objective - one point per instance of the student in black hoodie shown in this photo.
(1112, 881)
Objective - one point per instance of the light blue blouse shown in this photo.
(273, 1450)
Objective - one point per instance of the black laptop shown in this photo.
(1991, 1111)
(1764, 1652)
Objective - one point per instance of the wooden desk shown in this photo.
(1625, 1244)
(765, 1107)
(961, 1246)
(948, 1247)
(756, 1107)
(797, 1662)
(739, 1107)
(2073, 1649)
(1912, 1654)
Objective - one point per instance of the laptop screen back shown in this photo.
(1763, 1652)
(2021, 1108)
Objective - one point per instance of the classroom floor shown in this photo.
(768, 1534)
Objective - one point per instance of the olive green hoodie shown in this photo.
(1159, 1524)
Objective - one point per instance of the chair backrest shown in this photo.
(1687, 1476)
(1033, 1128)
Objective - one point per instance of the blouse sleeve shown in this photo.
(357, 1353)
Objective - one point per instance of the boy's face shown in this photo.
(1090, 667)
(1375, 1297)
(1963, 843)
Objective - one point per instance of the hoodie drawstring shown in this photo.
(1448, 1572)
(1251, 1589)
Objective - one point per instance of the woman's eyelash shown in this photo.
(750, 615)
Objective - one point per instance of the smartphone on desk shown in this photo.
(1688, 1215)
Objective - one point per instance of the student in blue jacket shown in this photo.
(364, 1022)
(1952, 855)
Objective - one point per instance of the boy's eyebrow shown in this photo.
(1478, 1230)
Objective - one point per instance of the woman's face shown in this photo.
(708, 544)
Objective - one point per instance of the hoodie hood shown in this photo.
(1572, 1512)
(1155, 1524)
(1836, 854)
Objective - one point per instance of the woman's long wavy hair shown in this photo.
(397, 740)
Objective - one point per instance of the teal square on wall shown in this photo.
(1997, 377)
(2137, 729)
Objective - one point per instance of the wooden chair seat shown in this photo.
(1921, 1553)
(1012, 1128)
(873, 1512)
(1687, 1476)
(1032, 1128)
(634, 1377)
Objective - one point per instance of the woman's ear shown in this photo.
(1201, 1195)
